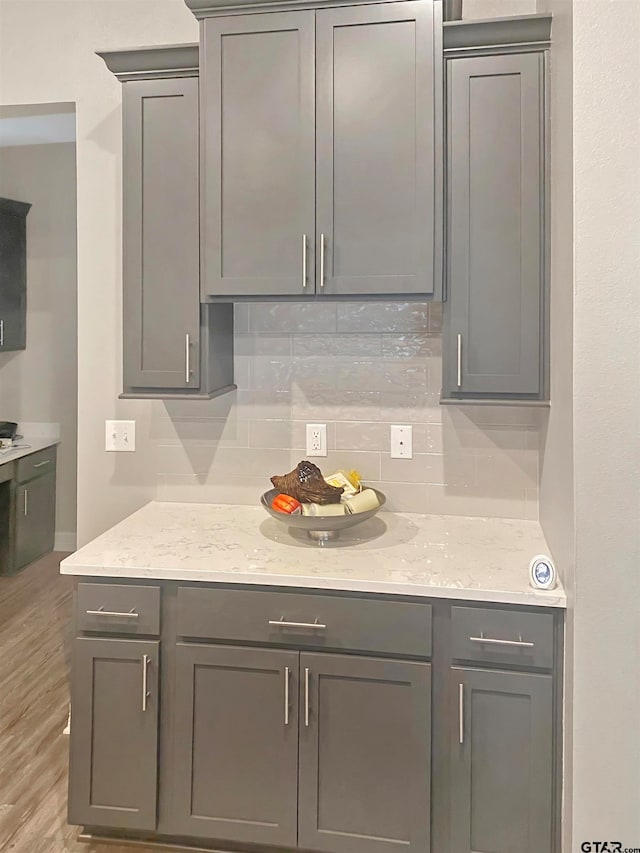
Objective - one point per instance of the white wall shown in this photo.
(40, 384)
(47, 55)
(556, 472)
(496, 8)
(606, 116)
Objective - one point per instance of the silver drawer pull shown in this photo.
(286, 695)
(145, 678)
(306, 696)
(490, 641)
(280, 623)
(42, 464)
(102, 612)
(461, 713)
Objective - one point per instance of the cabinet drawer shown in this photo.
(127, 609)
(358, 624)
(35, 464)
(502, 636)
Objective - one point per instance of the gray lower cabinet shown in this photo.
(114, 733)
(35, 519)
(236, 744)
(501, 762)
(494, 321)
(365, 754)
(377, 137)
(13, 274)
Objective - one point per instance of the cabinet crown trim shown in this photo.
(143, 63)
(497, 32)
(211, 8)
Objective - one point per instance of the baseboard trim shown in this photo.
(65, 541)
(146, 844)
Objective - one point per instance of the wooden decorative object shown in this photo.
(306, 484)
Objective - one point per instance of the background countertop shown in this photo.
(478, 559)
(26, 446)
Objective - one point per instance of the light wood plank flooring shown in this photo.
(35, 618)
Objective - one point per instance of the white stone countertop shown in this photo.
(25, 446)
(476, 559)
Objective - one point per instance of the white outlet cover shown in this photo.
(316, 440)
(120, 436)
(401, 441)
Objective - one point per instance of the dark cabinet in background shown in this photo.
(114, 733)
(173, 346)
(321, 152)
(494, 319)
(35, 519)
(13, 274)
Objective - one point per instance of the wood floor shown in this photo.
(35, 618)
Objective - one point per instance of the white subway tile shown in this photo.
(382, 317)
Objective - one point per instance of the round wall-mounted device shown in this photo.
(542, 572)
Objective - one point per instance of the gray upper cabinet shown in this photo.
(501, 762)
(114, 734)
(257, 75)
(13, 274)
(376, 139)
(321, 152)
(236, 744)
(365, 749)
(161, 226)
(494, 340)
(173, 346)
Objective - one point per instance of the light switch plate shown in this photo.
(401, 441)
(120, 436)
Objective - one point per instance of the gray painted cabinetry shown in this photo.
(13, 274)
(494, 342)
(283, 724)
(173, 346)
(27, 509)
(321, 152)
(114, 735)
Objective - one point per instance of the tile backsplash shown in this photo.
(358, 367)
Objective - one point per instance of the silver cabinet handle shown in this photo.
(42, 464)
(459, 361)
(306, 696)
(187, 359)
(102, 612)
(322, 260)
(26, 502)
(490, 641)
(1, 333)
(461, 713)
(304, 261)
(286, 695)
(280, 623)
(145, 676)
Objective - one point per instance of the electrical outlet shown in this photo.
(401, 442)
(316, 439)
(120, 435)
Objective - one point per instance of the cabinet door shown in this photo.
(114, 733)
(161, 234)
(494, 338)
(501, 775)
(35, 519)
(13, 274)
(365, 750)
(258, 154)
(376, 141)
(236, 744)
